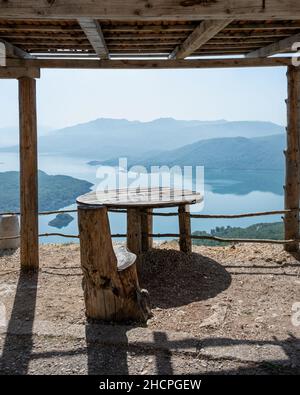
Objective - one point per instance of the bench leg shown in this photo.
(185, 241)
(147, 228)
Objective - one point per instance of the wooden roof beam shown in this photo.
(15, 52)
(281, 46)
(200, 36)
(149, 63)
(152, 9)
(19, 72)
(93, 32)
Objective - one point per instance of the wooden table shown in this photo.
(139, 204)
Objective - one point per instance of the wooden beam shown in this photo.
(152, 9)
(201, 35)
(185, 241)
(281, 46)
(149, 63)
(28, 174)
(93, 32)
(13, 51)
(292, 183)
(134, 232)
(146, 228)
(18, 72)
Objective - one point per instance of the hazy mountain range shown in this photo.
(9, 136)
(236, 153)
(105, 138)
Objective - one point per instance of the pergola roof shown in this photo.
(147, 33)
(113, 38)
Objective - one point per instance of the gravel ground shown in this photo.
(235, 301)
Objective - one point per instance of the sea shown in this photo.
(225, 192)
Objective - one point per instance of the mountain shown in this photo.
(105, 138)
(9, 136)
(238, 153)
(55, 192)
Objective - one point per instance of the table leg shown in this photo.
(134, 231)
(185, 241)
(147, 228)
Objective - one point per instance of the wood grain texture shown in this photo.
(149, 63)
(28, 174)
(280, 46)
(141, 198)
(134, 231)
(19, 72)
(146, 229)
(200, 36)
(151, 9)
(292, 154)
(93, 32)
(109, 294)
(185, 241)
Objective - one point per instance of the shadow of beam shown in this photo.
(17, 349)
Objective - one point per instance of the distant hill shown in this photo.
(55, 192)
(238, 153)
(106, 138)
(9, 136)
(272, 231)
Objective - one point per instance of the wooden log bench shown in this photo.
(110, 282)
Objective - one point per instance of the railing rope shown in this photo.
(174, 235)
(173, 214)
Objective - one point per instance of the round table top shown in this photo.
(141, 197)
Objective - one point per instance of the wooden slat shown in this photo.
(284, 45)
(92, 30)
(149, 63)
(152, 10)
(203, 33)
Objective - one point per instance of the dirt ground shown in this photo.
(227, 309)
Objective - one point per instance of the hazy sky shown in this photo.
(67, 97)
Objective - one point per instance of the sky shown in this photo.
(68, 97)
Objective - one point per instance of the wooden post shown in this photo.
(185, 241)
(109, 294)
(28, 174)
(147, 228)
(134, 231)
(292, 180)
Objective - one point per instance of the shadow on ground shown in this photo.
(106, 349)
(175, 279)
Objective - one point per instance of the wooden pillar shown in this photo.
(292, 178)
(28, 174)
(134, 231)
(185, 241)
(109, 294)
(147, 228)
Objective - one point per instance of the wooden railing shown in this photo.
(175, 235)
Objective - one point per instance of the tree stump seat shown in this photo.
(110, 282)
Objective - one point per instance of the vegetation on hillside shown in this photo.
(55, 192)
(257, 231)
